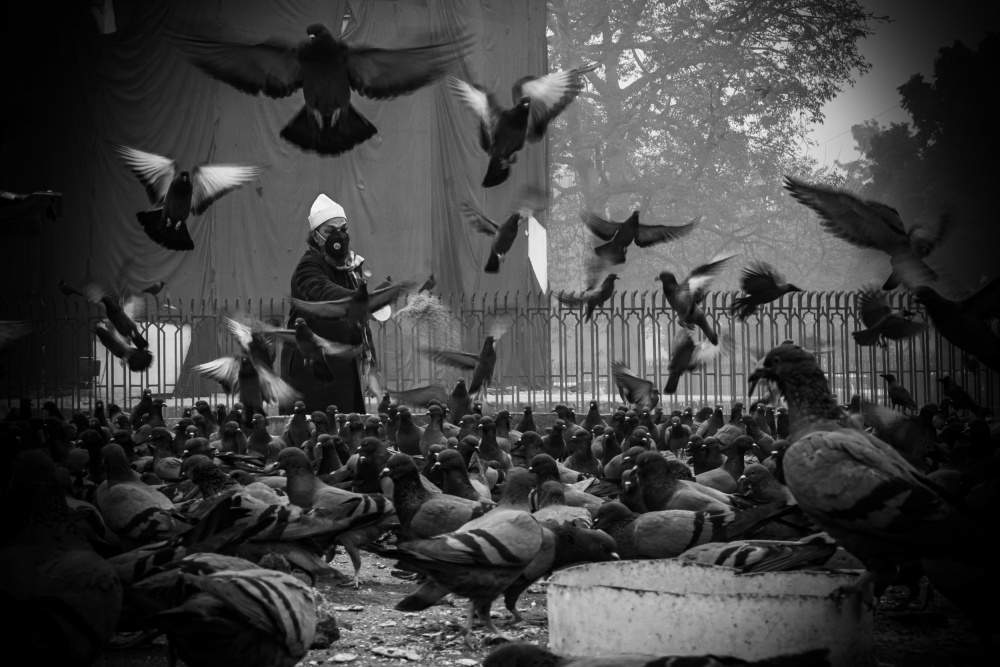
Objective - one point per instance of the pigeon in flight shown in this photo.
(327, 70)
(761, 284)
(870, 224)
(537, 101)
(504, 234)
(620, 235)
(177, 195)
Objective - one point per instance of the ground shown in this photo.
(370, 626)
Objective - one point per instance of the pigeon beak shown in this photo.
(269, 468)
(615, 556)
(435, 466)
(384, 473)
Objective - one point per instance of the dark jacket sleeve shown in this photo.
(313, 280)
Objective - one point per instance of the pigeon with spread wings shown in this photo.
(327, 70)
(537, 101)
(481, 364)
(882, 323)
(686, 356)
(620, 235)
(504, 234)
(761, 284)
(686, 297)
(137, 359)
(121, 306)
(590, 298)
(249, 373)
(633, 389)
(964, 322)
(316, 349)
(177, 195)
(870, 224)
(358, 307)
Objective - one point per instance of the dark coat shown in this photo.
(314, 279)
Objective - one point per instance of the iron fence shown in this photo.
(550, 355)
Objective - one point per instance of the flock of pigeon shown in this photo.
(118, 523)
(207, 531)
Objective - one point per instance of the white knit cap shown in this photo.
(324, 209)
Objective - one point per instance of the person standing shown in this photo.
(328, 270)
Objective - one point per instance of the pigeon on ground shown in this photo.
(865, 495)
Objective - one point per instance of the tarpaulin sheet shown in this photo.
(75, 92)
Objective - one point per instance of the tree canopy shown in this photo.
(697, 109)
(944, 164)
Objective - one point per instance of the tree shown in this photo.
(945, 163)
(697, 109)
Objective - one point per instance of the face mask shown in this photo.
(338, 245)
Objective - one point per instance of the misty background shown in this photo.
(699, 109)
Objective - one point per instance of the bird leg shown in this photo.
(466, 632)
(484, 615)
(861, 587)
(355, 556)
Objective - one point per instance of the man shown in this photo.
(328, 270)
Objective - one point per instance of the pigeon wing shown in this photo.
(873, 308)
(324, 309)
(385, 296)
(273, 389)
(549, 95)
(483, 104)
(271, 67)
(850, 218)
(647, 235)
(155, 172)
(385, 73)
(599, 227)
(455, 358)
(477, 219)
(632, 387)
(701, 277)
(212, 181)
(224, 370)
(759, 277)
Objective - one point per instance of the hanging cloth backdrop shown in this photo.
(80, 91)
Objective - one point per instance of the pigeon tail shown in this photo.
(496, 172)
(161, 233)
(350, 130)
(424, 597)
(493, 264)
(866, 337)
(743, 308)
(710, 334)
(672, 383)
(139, 360)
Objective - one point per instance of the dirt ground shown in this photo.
(370, 629)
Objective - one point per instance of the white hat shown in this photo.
(324, 209)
